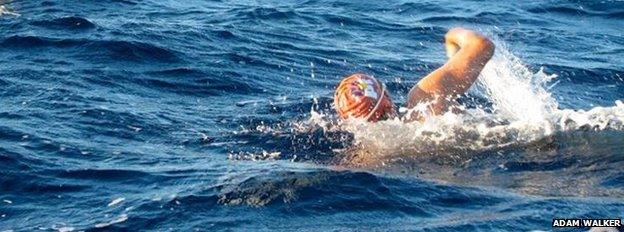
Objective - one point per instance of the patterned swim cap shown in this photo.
(362, 96)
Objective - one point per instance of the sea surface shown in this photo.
(131, 115)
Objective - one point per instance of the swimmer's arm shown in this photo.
(468, 52)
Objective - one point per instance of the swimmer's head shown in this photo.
(363, 96)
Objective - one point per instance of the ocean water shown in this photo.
(130, 115)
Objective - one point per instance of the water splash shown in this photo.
(517, 93)
(522, 111)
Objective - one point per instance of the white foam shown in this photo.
(120, 219)
(5, 11)
(116, 201)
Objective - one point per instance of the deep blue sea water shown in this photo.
(130, 115)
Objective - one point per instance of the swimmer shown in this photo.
(364, 97)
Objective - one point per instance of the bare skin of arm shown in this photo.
(468, 52)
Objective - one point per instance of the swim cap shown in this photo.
(362, 96)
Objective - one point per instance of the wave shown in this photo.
(36, 41)
(176, 13)
(584, 75)
(13, 183)
(65, 23)
(12, 163)
(109, 175)
(116, 50)
(223, 34)
(616, 181)
(344, 191)
(419, 7)
(448, 18)
(196, 82)
(488, 18)
(186, 72)
(268, 13)
(363, 21)
(127, 2)
(5, 11)
(576, 11)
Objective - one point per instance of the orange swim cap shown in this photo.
(362, 96)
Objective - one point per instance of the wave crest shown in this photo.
(65, 23)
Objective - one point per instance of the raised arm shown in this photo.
(468, 52)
